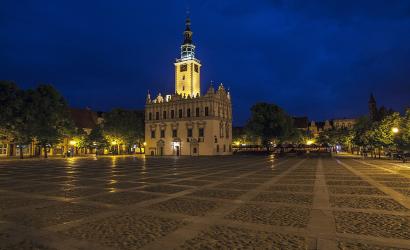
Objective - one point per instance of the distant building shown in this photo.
(186, 123)
(301, 123)
(347, 123)
(85, 119)
(373, 112)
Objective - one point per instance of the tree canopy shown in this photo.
(270, 123)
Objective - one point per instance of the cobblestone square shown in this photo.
(242, 202)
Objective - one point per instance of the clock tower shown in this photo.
(187, 68)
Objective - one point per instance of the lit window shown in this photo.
(3, 149)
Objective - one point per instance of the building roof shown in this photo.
(84, 118)
(301, 122)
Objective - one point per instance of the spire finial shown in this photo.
(188, 32)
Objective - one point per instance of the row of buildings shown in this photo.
(84, 119)
(315, 128)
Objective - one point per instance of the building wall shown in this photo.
(187, 81)
(216, 125)
(344, 123)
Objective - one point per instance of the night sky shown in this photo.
(316, 58)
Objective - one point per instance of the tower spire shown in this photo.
(188, 31)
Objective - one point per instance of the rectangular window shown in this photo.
(164, 115)
(189, 132)
(153, 134)
(196, 68)
(201, 132)
(162, 133)
(188, 112)
(183, 67)
(157, 116)
(174, 133)
(150, 116)
(172, 114)
(3, 149)
(180, 113)
(206, 111)
(197, 112)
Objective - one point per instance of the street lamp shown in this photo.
(395, 130)
(310, 142)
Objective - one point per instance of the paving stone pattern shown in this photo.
(234, 202)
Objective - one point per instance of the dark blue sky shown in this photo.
(315, 58)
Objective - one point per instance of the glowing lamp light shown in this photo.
(113, 143)
(395, 130)
(237, 143)
(310, 142)
(145, 144)
(72, 142)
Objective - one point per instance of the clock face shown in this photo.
(183, 67)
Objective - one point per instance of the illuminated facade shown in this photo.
(186, 123)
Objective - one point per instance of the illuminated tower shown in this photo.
(188, 68)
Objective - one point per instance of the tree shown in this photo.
(96, 140)
(381, 132)
(124, 127)
(15, 117)
(52, 119)
(9, 103)
(403, 139)
(270, 123)
(360, 135)
(336, 136)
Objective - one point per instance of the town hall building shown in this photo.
(186, 122)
